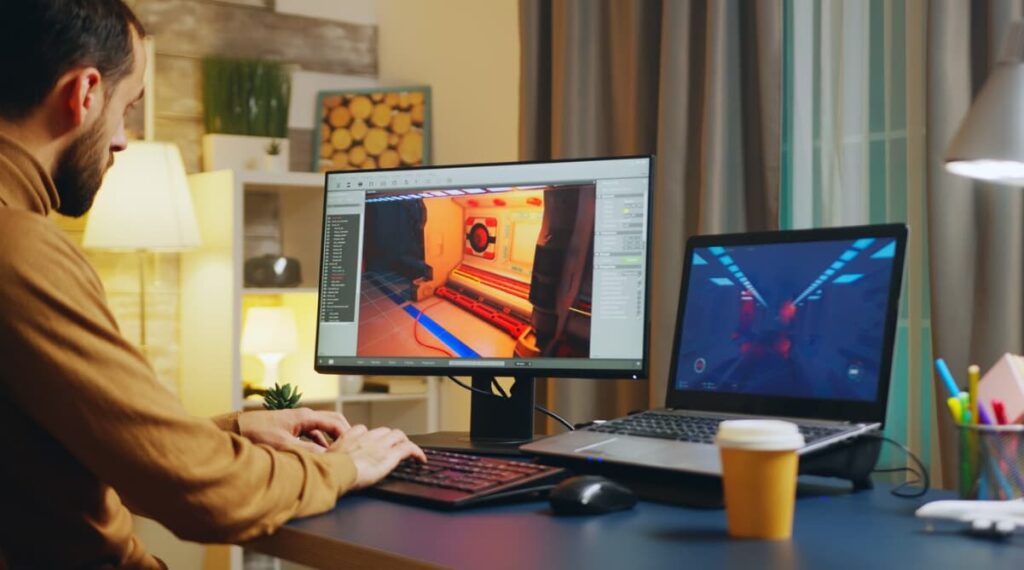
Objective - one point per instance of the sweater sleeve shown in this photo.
(95, 393)
(227, 422)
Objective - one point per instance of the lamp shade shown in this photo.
(144, 202)
(989, 144)
(269, 330)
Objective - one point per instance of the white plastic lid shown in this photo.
(766, 435)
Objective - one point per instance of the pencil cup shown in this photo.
(759, 468)
(991, 462)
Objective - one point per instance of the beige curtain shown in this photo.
(696, 82)
(975, 229)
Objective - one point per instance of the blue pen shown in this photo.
(947, 377)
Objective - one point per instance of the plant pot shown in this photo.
(275, 162)
(351, 385)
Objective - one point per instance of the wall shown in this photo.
(468, 52)
(186, 31)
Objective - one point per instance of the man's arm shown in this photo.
(81, 381)
(227, 422)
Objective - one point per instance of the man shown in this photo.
(86, 430)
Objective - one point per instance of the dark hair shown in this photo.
(41, 40)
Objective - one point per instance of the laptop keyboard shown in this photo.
(697, 429)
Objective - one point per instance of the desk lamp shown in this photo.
(143, 205)
(989, 145)
(269, 334)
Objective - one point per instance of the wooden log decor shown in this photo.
(369, 129)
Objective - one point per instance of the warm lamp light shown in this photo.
(989, 145)
(270, 334)
(143, 205)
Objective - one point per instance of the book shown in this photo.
(392, 385)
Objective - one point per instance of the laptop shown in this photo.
(793, 325)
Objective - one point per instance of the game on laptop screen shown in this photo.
(803, 320)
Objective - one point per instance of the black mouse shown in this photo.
(590, 495)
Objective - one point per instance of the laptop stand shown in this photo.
(852, 461)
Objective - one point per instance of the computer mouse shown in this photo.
(590, 495)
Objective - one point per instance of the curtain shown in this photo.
(696, 82)
(976, 238)
(853, 153)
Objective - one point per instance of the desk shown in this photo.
(871, 529)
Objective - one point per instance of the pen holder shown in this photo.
(991, 462)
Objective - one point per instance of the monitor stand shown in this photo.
(498, 426)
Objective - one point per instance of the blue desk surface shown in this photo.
(871, 529)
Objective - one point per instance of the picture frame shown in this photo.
(373, 128)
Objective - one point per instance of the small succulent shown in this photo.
(273, 147)
(282, 397)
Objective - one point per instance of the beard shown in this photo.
(80, 170)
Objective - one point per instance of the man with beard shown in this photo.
(85, 427)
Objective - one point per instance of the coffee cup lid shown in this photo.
(765, 435)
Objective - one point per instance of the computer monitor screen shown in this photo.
(519, 268)
(803, 319)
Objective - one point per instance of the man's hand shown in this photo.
(281, 429)
(376, 452)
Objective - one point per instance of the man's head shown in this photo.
(73, 69)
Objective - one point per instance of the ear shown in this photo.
(81, 95)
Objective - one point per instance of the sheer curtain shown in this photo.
(698, 83)
(853, 153)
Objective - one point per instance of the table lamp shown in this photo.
(143, 205)
(269, 334)
(989, 145)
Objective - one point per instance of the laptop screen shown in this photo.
(805, 319)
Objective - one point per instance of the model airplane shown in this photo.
(1000, 518)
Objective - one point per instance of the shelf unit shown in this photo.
(214, 300)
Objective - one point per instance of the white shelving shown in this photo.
(214, 299)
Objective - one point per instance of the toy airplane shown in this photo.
(1000, 518)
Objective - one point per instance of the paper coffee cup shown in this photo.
(759, 469)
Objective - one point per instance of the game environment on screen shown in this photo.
(481, 272)
(798, 320)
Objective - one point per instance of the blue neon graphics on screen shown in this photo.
(803, 320)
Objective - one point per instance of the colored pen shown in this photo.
(973, 373)
(947, 377)
(955, 409)
(983, 416)
(1000, 412)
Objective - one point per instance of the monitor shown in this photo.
(514, 269)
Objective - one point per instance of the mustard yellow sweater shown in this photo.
(86, 430)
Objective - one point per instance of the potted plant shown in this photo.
(273, 159)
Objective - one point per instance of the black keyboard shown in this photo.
(698, 429)
(453, 480)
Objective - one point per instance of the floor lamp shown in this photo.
(143, 206)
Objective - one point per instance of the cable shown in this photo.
(556, 417)
(472, 389)
(921, 472)
(504, 396)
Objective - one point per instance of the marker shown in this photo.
(955, 409)
(1000, 412)
(947, 377)
(973, 373)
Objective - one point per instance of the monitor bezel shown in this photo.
(508, 371)
(861, 411)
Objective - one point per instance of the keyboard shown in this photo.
(451, 480)
(697, 429)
